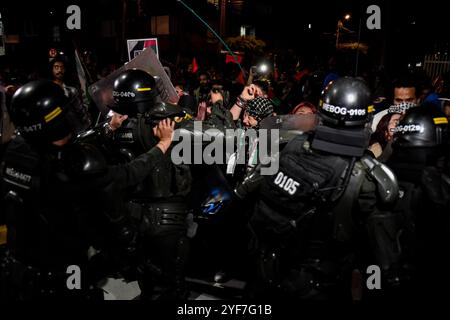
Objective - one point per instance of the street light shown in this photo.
(340, 25)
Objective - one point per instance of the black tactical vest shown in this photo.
(46, 207)
(167, 180)
(306, 181)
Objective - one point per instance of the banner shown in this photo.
(82, 78)
(230, 59)
(101, 91)
(137, 46)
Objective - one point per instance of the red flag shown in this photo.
(241, 78)
(229, 58)
(194, 66)
(300, 74)
(153, 44)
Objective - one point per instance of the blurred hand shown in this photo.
(117, 120)
(164, 131)
(258, 92)
(249, 92)
(201, 112)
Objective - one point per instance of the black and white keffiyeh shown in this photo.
(260, 108)
(402, 107)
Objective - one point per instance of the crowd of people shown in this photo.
(364, 180)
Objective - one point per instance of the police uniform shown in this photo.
(310, 218)
(56, 198)
(419, 150)
(158, 203)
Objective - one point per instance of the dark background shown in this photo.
(409, 30)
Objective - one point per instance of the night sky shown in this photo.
(409, 29)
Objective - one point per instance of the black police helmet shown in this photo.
(38, 110)
(346, 102)
(424, 126)
(163, 110)
(134, 92)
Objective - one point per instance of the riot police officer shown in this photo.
(310, 215)
(159, 203)
(420, 149)
(56, 193)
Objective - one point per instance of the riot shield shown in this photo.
(101, 91)
(290, 126)
(295, 122)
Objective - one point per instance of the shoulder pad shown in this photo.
(18, 152)
(387, 184)
(85, 160)
(19, 166)
(295, 142)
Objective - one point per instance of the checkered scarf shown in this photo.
(401, 108)
(260, 108)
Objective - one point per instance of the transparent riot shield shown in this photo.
(101, 91)
(290, 126)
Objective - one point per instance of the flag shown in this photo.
(229, 58)
(241, 78)
(194, 66)
(82, 78)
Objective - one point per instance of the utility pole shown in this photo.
(357, 48)
(339, 26)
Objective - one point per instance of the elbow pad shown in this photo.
(387, 184)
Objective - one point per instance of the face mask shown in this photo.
(402, 107)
